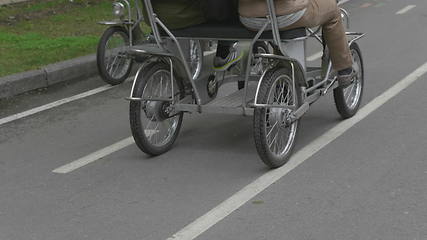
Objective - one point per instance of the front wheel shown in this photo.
(113, 64)
(274, 134)
(154, 125)
(347, 100)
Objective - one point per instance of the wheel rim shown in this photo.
(279, 134)
(352, 93)
(116, 62)
(195, 58)
(158, 127)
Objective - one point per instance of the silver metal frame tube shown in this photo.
(152, 18)
(184, 62)
(249, 62)
(172, 78)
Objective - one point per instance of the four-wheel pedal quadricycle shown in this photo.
(277, 94)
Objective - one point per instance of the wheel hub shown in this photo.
(156, 110)
(279, 115)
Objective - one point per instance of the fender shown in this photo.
(284, 61)
(113, 23)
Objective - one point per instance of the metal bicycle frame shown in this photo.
(310, 94)
(129, 23)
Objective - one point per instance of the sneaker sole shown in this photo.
(228, 65)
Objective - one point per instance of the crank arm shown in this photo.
(333, 84)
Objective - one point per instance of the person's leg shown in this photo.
(326, 13)
(336, 40)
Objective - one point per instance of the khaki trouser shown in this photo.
(327, 14)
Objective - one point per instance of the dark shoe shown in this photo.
(223, 64)
(345, 80)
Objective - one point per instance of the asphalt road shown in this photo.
(369, 183)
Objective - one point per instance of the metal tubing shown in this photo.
(346, 16)
(172, 77)
(134, 81)
(287, 58)
(248, 66)
(294, 89)
(184, 62)
(130, 19)
(149, 99)
(328, 72)
(331, 85)
(300, 111)
(273, 19)
(129, 9)
(356, 38)
(139, 14)
(314, 34)
(152, 18)
(313, 97)
(291, 107)
(258, 86)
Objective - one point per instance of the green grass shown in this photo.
(52, 31)
(31, 51)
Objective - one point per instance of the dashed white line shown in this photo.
(405, 9)
(53, 104)
(81, 162)
(94, 156)
(227, 207)
(314, 57)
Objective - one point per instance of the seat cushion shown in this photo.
(231, 31)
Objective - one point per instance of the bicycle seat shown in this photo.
(232, 31)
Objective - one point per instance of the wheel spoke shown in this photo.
(166, 89)
(273, 141)
(161, 86)
(113, 63)
(271, 130)
(150, 122)
(286, 98)
(349, 93)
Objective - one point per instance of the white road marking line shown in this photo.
(227, 207)
(53, 104)
(94, 156)
(405, 9)
(81, 162)
(314, 57)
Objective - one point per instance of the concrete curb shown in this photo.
(5, 2)
(78, 68)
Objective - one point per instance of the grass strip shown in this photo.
(37, 33)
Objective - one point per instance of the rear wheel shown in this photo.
(347, 100)
(274, 135)
(113, 64)
(154, 125)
